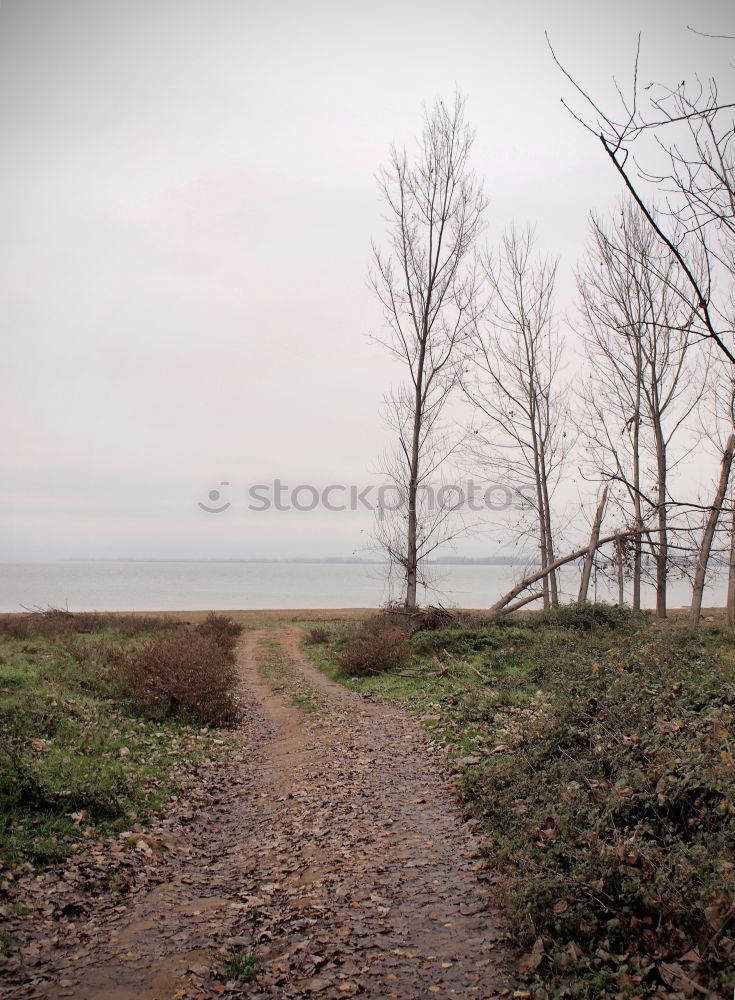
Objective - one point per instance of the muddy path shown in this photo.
(329, 850)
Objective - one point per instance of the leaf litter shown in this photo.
(327, 847)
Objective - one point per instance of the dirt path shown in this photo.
(330, 839)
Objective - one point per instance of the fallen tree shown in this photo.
(504, 605)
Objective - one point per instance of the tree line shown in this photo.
(653, 386)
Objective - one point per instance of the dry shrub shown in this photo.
(220, 629)
(15, 627)
(95, 654)
(431, 618)
(184, 673)
(374, 652)
(132, 625)
(384, 621)
(56, 622)
(396, 616)
(317, 635)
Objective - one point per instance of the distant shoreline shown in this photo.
(306, 561)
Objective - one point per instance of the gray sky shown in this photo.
(186, 207)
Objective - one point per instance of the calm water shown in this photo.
(190, 586)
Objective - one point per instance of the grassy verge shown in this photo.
(78, 759)
(599, 759)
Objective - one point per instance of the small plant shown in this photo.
(242, 965)
(221, 629)
(374, 652)
(316, 635)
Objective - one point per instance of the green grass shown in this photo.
(242, 965)
(466, 696)
(304, 703)
(600, 761)
(280, 671)
(75, 760)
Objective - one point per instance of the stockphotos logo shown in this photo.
(382, 500)
(214, 497)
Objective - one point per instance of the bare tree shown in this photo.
(427, 282)
(678, 143)
(639, 390)
(513, 382)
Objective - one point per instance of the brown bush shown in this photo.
(184, 673)
(95, 653)
(432, 618)
(385, 621)
(221, 629)
(316, 635)
(374, 652)
(14, 628)
(56, 622)
(132, 625)
(395, 616)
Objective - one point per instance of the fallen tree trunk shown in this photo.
(518, 604)
(500, 607)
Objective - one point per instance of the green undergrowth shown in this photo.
(596, 749)
(77, 758)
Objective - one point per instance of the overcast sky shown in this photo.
(187, 205)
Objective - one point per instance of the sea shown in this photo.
(189, 586)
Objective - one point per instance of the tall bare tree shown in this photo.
(638, 394)
(513, 381)
(427, 281)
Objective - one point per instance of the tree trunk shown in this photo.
(413, 482)
(592, 548)
(538, 479)
(662, 548)
(731, 568)
(547, 530)
(709, 532)
(638, 522)
(522, 602)
(621, 584)
(543, 542)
